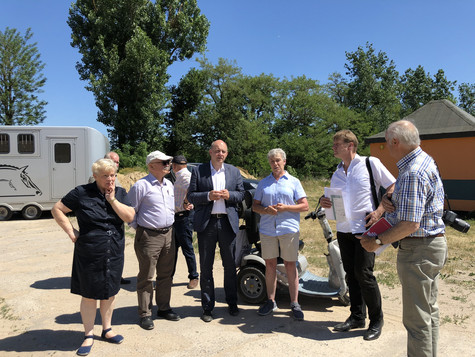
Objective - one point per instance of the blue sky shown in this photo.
(283, 38)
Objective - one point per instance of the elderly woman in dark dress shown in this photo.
(101, 209)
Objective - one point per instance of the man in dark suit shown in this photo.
(215, 190)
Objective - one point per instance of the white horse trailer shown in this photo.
(40, 164)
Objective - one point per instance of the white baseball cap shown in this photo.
(158, 155)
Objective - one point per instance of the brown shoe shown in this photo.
(192, 284)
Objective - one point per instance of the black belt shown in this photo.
(182, 214)
(219, 215)
(158, 230)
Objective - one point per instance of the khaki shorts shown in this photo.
(288, 243)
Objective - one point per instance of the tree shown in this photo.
(254, 114)
(180, 120)
(219, 102)
(467, 97)
(21, 79)
(126, 48)
(306, 119)
(373, 86)
(419, 88)
(442, 88)
(337, 87)
(416, 90)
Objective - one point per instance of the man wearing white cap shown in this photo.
(153, 200)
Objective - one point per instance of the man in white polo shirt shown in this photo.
(353, 178)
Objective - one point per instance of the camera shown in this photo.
(451, 218)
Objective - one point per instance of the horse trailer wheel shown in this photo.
(31, 212)
(5, 213)
(252, 284)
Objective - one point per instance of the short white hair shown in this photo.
(276, 152)
(405, 131)
(104, 165)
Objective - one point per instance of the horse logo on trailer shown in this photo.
(14, 181)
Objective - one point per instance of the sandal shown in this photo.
(116, 339)
(84, 350)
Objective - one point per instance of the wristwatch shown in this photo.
(378, 241)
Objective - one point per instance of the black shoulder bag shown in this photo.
(371, 180)
(373, 191)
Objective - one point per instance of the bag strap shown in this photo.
(371, 180)
(373, 192)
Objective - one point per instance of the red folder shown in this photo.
(377, 228)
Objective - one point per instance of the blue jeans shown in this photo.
(183, 230)
(218, 231)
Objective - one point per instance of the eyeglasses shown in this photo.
(164, 163)
(337, 145)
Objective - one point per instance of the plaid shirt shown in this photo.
(182, 183)
(419, 194)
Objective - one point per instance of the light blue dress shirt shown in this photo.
(286, 190)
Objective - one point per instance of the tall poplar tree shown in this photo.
(126, 48)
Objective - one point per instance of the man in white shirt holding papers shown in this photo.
(353, 178)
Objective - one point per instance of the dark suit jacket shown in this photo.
(201, 183)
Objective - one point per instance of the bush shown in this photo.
(133, 157)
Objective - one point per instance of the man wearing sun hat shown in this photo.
(153, 200)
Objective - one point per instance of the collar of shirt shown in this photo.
(154, 181)
(214, 171)
(401, 164)
(356, 160)
(285, 176)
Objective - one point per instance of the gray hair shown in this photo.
(103, 165)
(276, 152)
(405, 131)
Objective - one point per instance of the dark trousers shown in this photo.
(363, 287)
(218, 231)
(183, 231)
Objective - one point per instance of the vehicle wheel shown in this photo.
(344, 300)
(5, 213)
(252, 284)
(31, 212)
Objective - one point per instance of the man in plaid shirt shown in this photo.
(416, 208)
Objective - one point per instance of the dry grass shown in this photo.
(459, 269)
(6, 311)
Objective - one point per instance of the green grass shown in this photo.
(454, 319)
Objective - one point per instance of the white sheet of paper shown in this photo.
(337, 212)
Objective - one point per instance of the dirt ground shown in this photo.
(39, 316)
